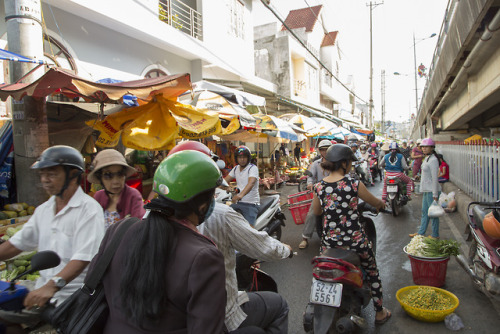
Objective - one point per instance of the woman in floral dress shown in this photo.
(336, 197)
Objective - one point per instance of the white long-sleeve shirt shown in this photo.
(231, 232)
(429, 178)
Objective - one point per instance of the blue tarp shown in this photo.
(7, 55)
(128, 100)
(7, 189)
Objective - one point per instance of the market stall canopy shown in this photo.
(309, 126)
(232, 95)
(58, 80)
(274, 126)
(248, 137)
(156, 125)
(206, 100)
(324, 126)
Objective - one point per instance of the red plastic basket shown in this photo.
(299, 211)
(300, 197)
(429, 272)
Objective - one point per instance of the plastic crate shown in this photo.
(300, 197)
(429, 272)
(299, 211)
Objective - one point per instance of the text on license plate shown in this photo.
(392, 189)
(326, 293)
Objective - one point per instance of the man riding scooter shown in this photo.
(395, 165)
(317, 174)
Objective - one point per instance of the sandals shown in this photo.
(384, 319)
(303, 244)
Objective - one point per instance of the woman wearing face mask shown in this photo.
(165, 277)
(118, 200)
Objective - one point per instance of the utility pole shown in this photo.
(382, 128)
(370, 102)
(29, 116)
(415, 71)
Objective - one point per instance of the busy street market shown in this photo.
(177, 167)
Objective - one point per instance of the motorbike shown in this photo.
(396, 194)
(338, 291)
(373, 161)
(303, 180)
(270, 218)
(12, 294)
(482, 263)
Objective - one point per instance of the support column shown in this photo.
(29, 116)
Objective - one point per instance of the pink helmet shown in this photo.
(427, 142)
(374, 145)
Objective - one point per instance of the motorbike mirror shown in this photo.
(44, 260)
(40, 261)
(221, 164)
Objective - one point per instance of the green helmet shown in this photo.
(185, 174)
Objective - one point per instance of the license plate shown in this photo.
(392, 189)
(326, 293)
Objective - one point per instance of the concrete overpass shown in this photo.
(462, 94)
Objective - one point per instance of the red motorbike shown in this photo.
(373, 161)
(483, 261)
(338, 292)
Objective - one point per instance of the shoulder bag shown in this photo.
(86, 310)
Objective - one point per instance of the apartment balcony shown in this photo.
(182, 17)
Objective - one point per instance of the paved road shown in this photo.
(294, 275)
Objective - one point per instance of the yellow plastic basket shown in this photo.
(423, 314)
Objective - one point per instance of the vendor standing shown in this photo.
(118, 200)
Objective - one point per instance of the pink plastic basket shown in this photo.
(299, 211)
(300, 197)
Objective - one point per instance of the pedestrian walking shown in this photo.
(417, 155)
(429, 186)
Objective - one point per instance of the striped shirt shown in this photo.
(231, 232)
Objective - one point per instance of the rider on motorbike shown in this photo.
(336, 197)
(317, 174)
(395, 165)
(363, 149)
(231, 233)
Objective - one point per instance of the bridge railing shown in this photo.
(474, 167)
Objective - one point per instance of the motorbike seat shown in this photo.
(265, 203)
(343, 254)
(478, 214)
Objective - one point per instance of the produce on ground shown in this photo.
(428, 299)
(428, 247)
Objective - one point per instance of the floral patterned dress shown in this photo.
(342, 229)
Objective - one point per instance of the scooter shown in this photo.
(12, 294)
(270, 218)
(338, 292)
(374, 168)
(483, 261)
(396, 194)
(303, 181)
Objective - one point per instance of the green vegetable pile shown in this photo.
(428, 299)
(17, 266)
(428, 247)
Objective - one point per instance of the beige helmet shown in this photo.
(324, 143)
(107, 158)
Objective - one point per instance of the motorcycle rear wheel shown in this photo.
(276, 234)
(302, 185)
(395, 206)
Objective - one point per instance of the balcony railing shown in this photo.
(181, 17)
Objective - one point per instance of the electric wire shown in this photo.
(310, 52)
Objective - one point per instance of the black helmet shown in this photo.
(60, 155)
(243, 150)
(340, 152)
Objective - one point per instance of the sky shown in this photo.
(394, 23)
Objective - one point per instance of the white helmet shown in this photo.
(324, 143)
